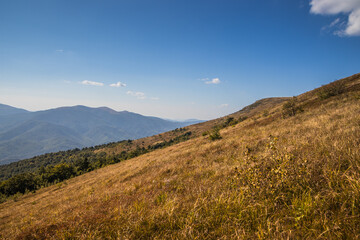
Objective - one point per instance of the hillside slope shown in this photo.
(277, 175)
(252, 111)
(153, 142)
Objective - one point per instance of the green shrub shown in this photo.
(215, 135)
(265, 113)
(59, 173)
(241, 119)
(230, 121)
(19, 183)
(291, 108)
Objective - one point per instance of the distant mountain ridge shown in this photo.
(24, 134)
(8, 110)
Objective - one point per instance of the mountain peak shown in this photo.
(110, 110)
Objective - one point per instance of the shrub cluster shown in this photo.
(215, 134)
(332, 89)
(291, 108)
(184, 137)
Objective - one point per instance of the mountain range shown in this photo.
(24, 134)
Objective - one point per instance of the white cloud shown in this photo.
(154, 98)
(118, 84)
(353, 27)
(213, 81)
(224, 105)
(59, 50)
(333, 7)
(92, 83)
(139, 95)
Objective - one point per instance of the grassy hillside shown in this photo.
(288, 171)
(258, 108)
(117, 149)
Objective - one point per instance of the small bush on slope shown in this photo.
(291, 108)
(214, 134)
(332, 89)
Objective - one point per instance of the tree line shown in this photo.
(73, 163)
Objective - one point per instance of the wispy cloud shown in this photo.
(211, 81)
(224, 105)
(118, 84)
(334, 7)
(59, 50)
(336, 27)
(154, 98)
(138, 95)
(92, 83)
(335, 22)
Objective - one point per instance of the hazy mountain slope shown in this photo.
(25, 134)
(8, 110)
(84, 120)
(32, 138)
(271, 176)
(7, 122)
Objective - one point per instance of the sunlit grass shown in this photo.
(270, 178)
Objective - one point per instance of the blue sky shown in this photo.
(172, 59)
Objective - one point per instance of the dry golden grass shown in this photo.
(267, 178)
(197, 130)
